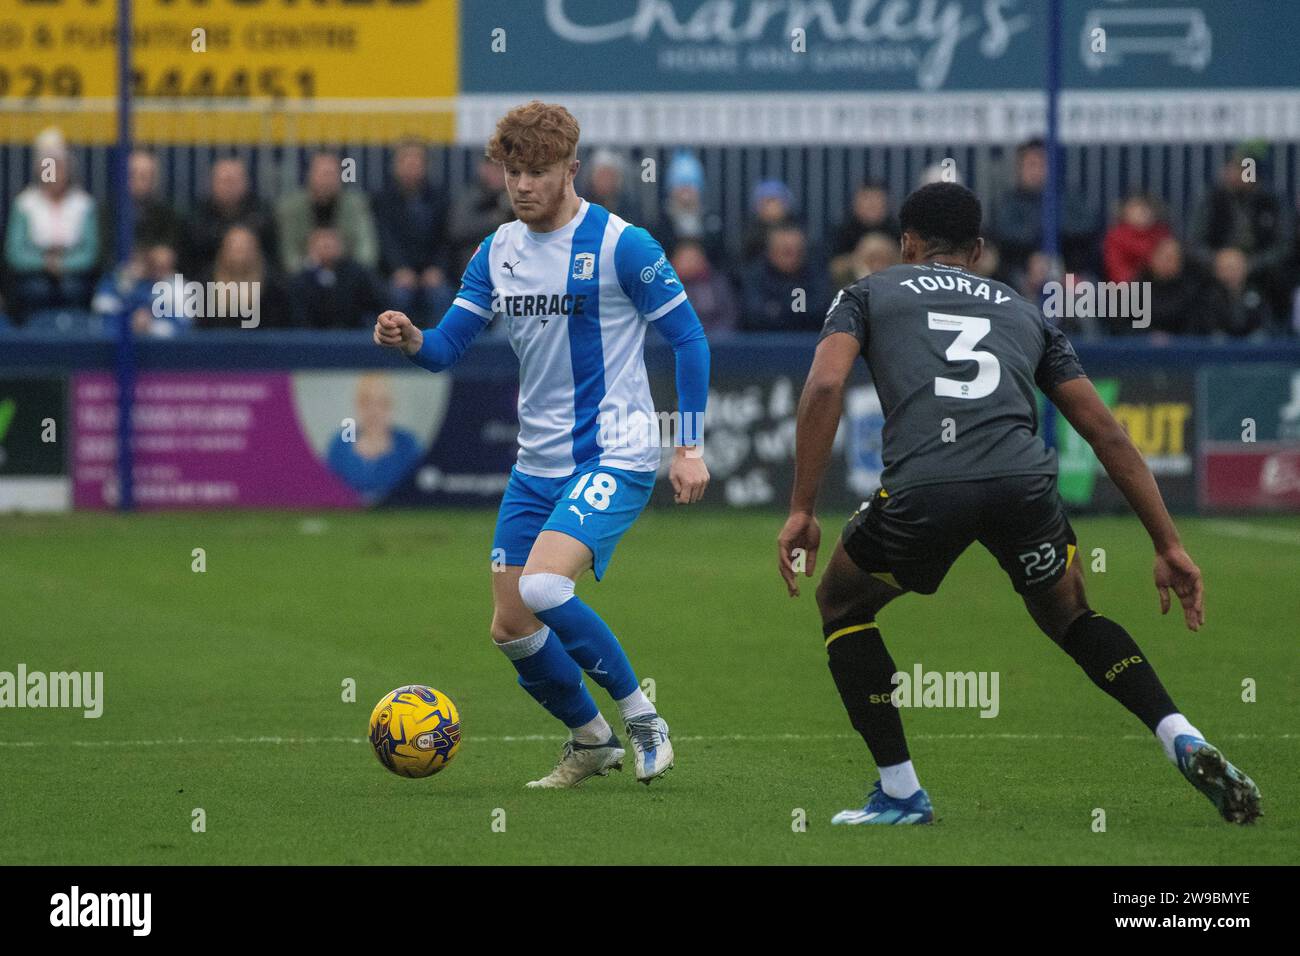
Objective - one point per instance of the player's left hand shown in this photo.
(689, 475)
(1175, 569)
(801, 531)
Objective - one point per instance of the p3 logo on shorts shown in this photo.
(1040, 562)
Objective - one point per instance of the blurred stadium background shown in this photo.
(328, 154)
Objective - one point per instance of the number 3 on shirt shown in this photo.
(600, 488)
(970, 329)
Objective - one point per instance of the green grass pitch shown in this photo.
(223, 691)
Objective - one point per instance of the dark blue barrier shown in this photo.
(491, 358)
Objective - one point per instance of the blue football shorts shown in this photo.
(595, 506)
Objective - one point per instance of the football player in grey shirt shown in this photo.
(955, 358)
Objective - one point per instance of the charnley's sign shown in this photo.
(886, 71)
(747, 45)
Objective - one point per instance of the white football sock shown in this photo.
(1174, 725)
(899, 780)
(634, 705)
(594, 731)
(522, 647)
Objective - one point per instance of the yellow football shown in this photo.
(415, 731)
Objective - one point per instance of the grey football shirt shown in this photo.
(954, 358)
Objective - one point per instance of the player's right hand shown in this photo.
(801, 531)
(1176, 569)
(394, 330)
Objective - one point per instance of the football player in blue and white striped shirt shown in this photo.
(577, 288)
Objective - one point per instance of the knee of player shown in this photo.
(542, 591)
(1056, 621)
(1068, 620)
(512, 627)
(834, 605)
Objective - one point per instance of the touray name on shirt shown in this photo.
(922, 284)
(523, 306)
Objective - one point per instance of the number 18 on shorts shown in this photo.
(595, 506)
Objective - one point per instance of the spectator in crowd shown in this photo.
(778, 283)
(131, 288)
(709, 290)
(875, 251)
(869, 213)
(324, 203)
(1031, 282)
(772, 204)
(1240, 308)
(1241, 213)
(333, 290)
(1284, 287)
(476, 212)
(413, 250)
(229, 203)
(990, 264)
(1128, 245)
(154, 220)
(607, 185)
(1017, 222)
(1180, 296)
(52, 238)
(684, 214)
(242, 260)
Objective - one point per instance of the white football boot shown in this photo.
(580, 761)
(651, 746)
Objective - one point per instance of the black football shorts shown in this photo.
(913, 537)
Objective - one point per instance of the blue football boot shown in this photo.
(1232, 792)
(891, 811)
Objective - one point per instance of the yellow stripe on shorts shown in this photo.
(852, 629)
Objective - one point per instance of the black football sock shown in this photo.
(863, 672)
(1114, 662)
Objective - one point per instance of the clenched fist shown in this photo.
(688, 474)
(395, 331)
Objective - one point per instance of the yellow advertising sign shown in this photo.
(1156, 428)
(232, 70)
